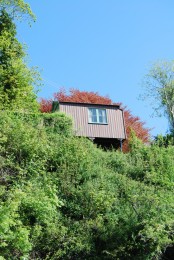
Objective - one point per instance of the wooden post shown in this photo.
(121, 144)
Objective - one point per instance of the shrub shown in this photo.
(61, 197)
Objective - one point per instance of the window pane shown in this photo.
(102, 116)
(100, 119)
(94, 112)
(94, 119)
(92, 115)
(100, 112)
(97, 115)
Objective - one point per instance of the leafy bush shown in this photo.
(63, 198)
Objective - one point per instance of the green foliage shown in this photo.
(164, 141)
(17, 8)
(57, 123)
(60, 196)
(63, 198)
(16, 79)
(159, 89)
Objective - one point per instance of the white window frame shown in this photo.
(105, 121)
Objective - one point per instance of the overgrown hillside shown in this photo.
(63, 198)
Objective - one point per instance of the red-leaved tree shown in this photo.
(132, 123)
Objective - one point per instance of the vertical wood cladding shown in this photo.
(79, 113)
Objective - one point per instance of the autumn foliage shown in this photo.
(132, 123)
(45, 105)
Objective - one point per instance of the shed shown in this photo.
(104, 124)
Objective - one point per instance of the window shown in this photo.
(97, 115)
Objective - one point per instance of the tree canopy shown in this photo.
(17, 8)
(16, 79)
(159, 89)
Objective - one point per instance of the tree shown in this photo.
(17, 8)
(16, 79)
(132, 123)
(159, 89)
(46, 105)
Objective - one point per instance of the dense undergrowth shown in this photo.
(63, 198)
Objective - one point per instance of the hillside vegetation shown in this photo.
(63, 198)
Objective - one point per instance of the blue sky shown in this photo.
(106, 46)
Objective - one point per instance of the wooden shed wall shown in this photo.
(79, 113)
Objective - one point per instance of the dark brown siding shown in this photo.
(79, 113)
